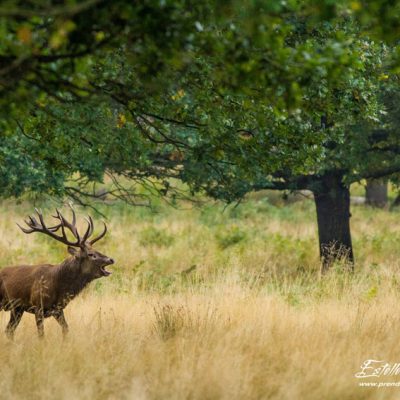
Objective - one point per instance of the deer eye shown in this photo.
(92, 255)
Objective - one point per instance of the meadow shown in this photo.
(207, 303)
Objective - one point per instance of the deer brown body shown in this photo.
(45, 290)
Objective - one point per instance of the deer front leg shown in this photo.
(39, 317)
(60, 318)
(15, 319)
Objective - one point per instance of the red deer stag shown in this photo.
(45, 290)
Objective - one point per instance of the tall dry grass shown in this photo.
(211, 305)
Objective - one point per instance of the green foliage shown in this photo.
(152, 236)
(228, 97)
(371, 293)
(229, 235)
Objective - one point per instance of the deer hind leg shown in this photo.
(39, 317)
(60, 318)
(15, 319)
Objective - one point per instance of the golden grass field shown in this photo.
(210, 305)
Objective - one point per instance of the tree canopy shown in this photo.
(227, 97)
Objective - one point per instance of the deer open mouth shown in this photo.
(104, 272)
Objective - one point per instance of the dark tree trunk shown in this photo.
(376, 193)
(332, 200)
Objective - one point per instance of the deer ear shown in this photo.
(73, 251)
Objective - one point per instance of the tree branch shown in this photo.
(380, 173)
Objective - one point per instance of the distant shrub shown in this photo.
(230, 236)
(171, 321)
(168, 321)
(371, 293)
(152, 236)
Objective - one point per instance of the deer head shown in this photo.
(90, 262)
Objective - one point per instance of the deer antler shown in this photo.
(40, 226)
(100, 236)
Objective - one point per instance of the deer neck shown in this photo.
(70, 278)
